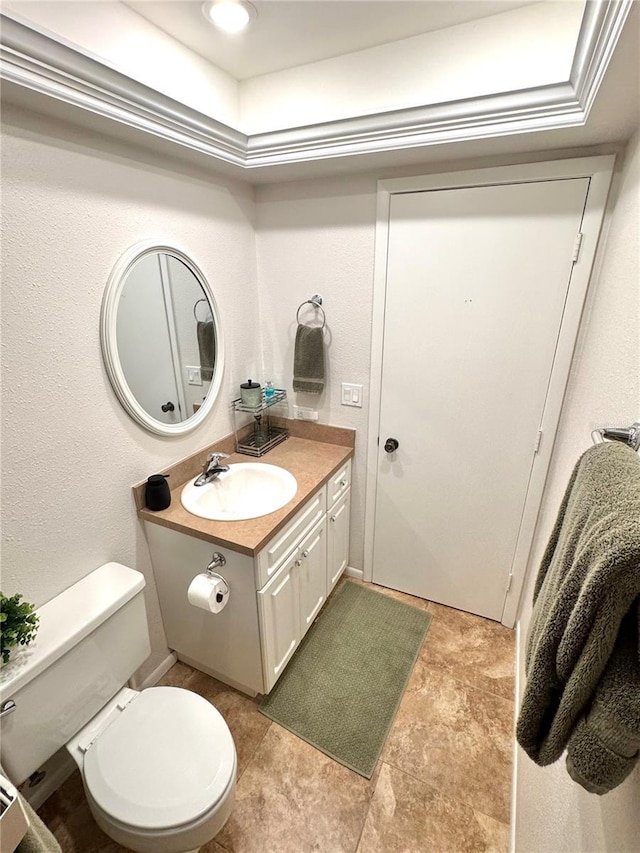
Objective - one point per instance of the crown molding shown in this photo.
(52, 67)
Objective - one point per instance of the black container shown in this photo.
(157, 493)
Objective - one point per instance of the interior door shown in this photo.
(147, 359)
(477, 279)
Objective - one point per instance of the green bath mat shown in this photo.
(341, 690)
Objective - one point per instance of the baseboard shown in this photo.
(516, 751)
(155, 676)
(350, 572)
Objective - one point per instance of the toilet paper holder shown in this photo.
(218, 560)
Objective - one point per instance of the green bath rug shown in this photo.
(341, 690)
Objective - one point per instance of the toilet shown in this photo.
(158, 765)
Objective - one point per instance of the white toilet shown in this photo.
(158, 766)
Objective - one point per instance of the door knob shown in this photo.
(168, 407)
(391, 445)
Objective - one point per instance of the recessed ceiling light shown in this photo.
(232, 16)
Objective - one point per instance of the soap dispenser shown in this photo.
(157, 492)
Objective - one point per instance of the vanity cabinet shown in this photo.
(274, 596)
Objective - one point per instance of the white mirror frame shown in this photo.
(109, 343)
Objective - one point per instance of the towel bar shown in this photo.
(628, 435)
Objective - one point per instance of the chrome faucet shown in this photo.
(212, 469)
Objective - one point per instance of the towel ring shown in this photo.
(195, 307)
(316, 301)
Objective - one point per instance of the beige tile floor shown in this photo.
(442, 784)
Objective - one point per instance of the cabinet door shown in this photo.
(279, 609)
(312, 568)
(338, 540)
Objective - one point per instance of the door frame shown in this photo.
(599, 170)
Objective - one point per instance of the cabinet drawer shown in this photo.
(269, 559)
(338, 484)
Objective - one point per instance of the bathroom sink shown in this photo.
(246, 490)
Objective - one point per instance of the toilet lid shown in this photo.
(164, 761)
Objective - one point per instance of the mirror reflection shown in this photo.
(166, 338)
(161, 338)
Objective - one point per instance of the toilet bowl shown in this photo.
(159, 769)
(158, 766)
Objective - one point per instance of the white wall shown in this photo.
(70, 453)
(122, 39)
(526, 47)
(318, 237)
(553, 813)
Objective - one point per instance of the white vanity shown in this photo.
(277, 585)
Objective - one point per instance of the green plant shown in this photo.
(18, 623)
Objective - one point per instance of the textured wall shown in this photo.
(69, 451)
(318, 237)
(604, 388)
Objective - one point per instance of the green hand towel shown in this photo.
(207, 348)
(583, 683)
(308, 360)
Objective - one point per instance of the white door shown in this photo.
(147, 357)
(477, 279)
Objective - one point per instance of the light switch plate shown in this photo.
(351, 395)
(194, 377)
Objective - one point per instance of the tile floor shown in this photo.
(442, 784)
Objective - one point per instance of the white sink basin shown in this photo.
(246, 490)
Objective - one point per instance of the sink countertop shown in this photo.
(311, 462)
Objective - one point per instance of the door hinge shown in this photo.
(536, 447)
(576, 248)
(509, 581)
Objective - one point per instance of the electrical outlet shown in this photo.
(352, 395)
(300, 413)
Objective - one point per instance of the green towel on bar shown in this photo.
(583, 679)
(207, 348)
(308, 360)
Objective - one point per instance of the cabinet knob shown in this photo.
(333, 518)
(305, 553)
(343, 482)
(298, 563)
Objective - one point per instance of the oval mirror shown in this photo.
(162, 339)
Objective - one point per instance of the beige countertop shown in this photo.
(311, 462)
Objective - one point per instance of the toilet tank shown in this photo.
(91, 639)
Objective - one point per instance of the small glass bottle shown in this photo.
(269, 390)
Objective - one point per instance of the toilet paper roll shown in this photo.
(210, 592)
